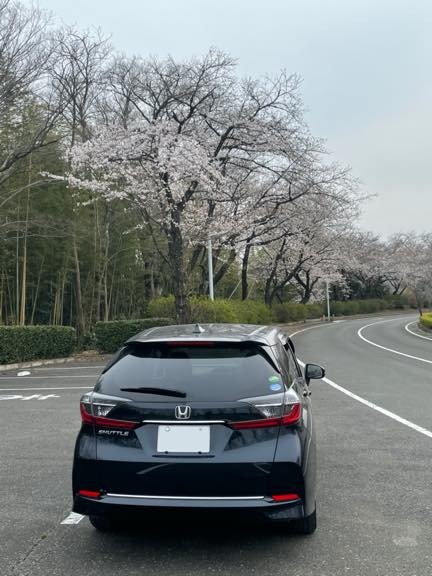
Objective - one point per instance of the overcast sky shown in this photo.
(366, 68)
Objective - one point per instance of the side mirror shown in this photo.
(313, 372)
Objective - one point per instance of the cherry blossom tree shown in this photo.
(199, 154)
(309, 248)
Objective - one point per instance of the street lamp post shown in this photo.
(328, 300)
(210, 268)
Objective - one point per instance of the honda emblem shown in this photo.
(183, 412)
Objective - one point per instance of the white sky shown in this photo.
(366, 66)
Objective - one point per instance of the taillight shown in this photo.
(278, 410)
(95, 409)
(262, 423)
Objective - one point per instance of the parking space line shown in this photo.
(47, 377)
(65, 367)
(50, 388)
(73, 518)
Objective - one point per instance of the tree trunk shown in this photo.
(37, 291)
(244, 272)
(176, 259)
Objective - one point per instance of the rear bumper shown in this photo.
(118, 503)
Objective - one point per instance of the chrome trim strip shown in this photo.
(181, 422)
(186, 497)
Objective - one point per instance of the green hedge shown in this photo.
(293, 312)
(204, 310)
(426, 320)
(110, 336)
(25, 343)
(252, 312)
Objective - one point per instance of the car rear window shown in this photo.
(215, 372)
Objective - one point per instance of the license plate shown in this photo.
(186, 438)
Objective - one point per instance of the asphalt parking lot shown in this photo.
(374, 423)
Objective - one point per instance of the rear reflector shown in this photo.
(285, 497)
(90, 493)
(292, 417)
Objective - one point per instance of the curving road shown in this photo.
(375, 474)
(373, 417)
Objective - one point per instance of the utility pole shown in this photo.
(210, 269)
(328, 300)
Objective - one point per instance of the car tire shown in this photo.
(306, 525)
(103, 523)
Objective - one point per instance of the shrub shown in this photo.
(25, 343)
(110, 336)
(220, 310)
(426, 320)
(314, 310)
(162, 307)
(252, 312)
(204, 310)
(290, 312)
(397, 301)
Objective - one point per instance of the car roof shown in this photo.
(267, 335)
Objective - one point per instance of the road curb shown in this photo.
(52, 361)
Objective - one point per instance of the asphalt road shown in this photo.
(374, 422)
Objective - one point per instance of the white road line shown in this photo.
(359, 333)
(37, 368)
(50, 388)
(415, 333)
(372, 405)
(46, 377)
(377, 408)
(73, 518)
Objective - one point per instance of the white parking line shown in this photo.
(66, 368)
(32, 397)
(50, 388)
(47, 377)
(415, 333)
(73, 518)
(359, 332)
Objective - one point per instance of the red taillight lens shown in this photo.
(249, 424)
(293, 416)
(87, 416)
(285, 497)
(90, 493)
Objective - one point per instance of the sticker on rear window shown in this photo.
(274, 379)
(275, 387)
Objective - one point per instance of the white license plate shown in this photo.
(185, 438)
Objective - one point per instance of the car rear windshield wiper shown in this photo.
(157, 391)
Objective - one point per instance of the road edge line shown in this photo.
(360, 335)
(415, 333)
(375, 407)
